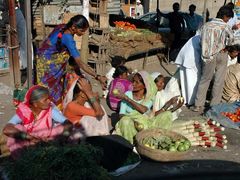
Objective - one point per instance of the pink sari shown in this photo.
(40, 127)
(122, 85)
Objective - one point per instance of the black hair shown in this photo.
(238, 58)
(119, 71)
(79, 21)
(141, 80)
(192, 6)
(117, 60)
(232, 48)
(37, 94)
(158, 78)
(76, 91)
(225, 11)
(175, 6)
(231, 5)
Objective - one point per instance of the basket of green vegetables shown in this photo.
(162, 145)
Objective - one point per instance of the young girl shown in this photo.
(167, 98)
(120, 84)
(115, 62)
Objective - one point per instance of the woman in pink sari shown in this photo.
(36, 120)
(121, 84)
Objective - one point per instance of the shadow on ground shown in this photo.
(192, 169)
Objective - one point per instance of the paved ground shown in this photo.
(198, 163)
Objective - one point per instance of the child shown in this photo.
(115, 62)
(119, 85)
(167, 97)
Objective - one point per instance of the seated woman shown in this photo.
(167, 97)
(82, 108)
(135, 108)
(121, 84)
(36, 119)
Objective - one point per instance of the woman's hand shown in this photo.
(34, 140)
(179, 104)
(84, 85)
(120, 95)
(172, 101)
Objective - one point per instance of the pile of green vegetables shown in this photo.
(167, 143)
(52, 161)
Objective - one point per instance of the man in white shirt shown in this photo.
(215, 36)
(139, 8)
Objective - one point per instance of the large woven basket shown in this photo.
(156, 154)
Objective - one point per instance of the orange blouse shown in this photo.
(74, 112)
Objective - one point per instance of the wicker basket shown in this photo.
(156, 154)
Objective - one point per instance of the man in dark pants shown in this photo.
(176, 24)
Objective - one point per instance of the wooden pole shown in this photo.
(204, 11)
(14, 45)
(104, 18)
(84, 46)
(29, 42)
(158, 15)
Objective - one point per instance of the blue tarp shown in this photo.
(215, 114)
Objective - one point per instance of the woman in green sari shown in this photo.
(135, 108)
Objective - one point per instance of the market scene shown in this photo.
(119, 89)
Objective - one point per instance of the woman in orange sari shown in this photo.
(83, 109)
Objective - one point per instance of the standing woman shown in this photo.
(53, 55)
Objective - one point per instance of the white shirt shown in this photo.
(139, 10)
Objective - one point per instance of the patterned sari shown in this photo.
(51, 67)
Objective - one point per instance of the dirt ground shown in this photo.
(199, 162)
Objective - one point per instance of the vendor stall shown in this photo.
(124, 40)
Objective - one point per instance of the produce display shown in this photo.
(167, 143)
(126, 40)
(125, 25)
(207, 134)
(235, 116)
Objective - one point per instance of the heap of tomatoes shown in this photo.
(125, 25)
(235, 116)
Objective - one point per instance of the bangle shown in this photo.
(92, 100)
(23, 135)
